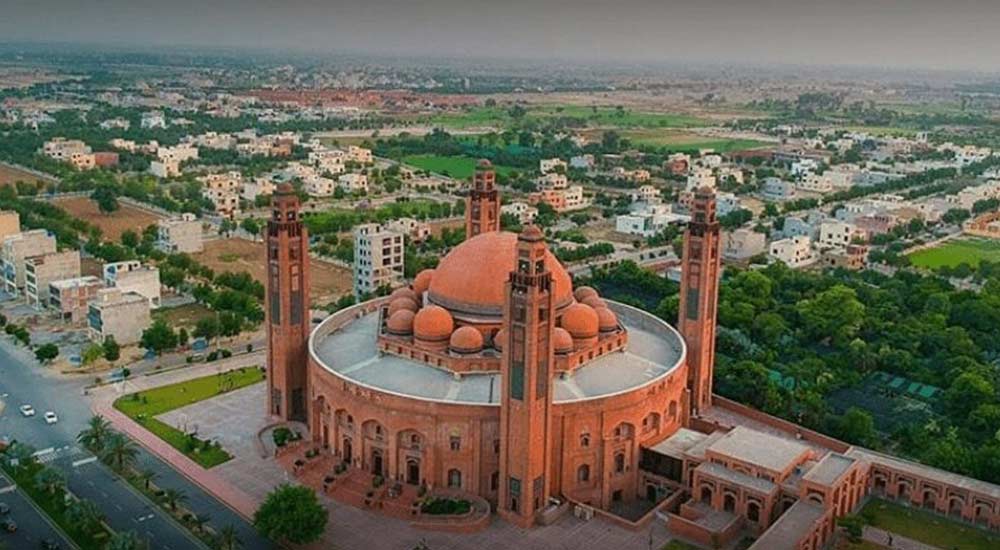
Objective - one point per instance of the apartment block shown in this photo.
(794, 251)
(378, 258)
(179, 234)
(16, 248)
(41, 270)
(121, 315)
(70, 297)
(10, 224)
(132, 276)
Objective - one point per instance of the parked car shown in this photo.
(4, 509)
(9, 525)
(49, 544)
(27, 410)
(51, 418)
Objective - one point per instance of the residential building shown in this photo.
(416, 230)
(62, 149)
(552, 165)
(179, 153)
(853, 257)
(647, 220)
(795, 252)
(524, 212)
(165, 168)
(19, 246)
(223, 191)
(319, 186)
(742, 244)
(153, 119)
(132, 276)
(814, 183)
(105, 159)
(552, 180)
(378, 258)
(804, 166)
(582, 162)
(179, 234)
(359, 154)
(699, 178)
(256, 188)
(726, 203)
(353, 182)
(837, 234)
(775, 189)
(10, 224)
(43, 269)
(70, 297)
(121, 315)
(646, 193)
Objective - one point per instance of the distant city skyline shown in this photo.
(959, 34)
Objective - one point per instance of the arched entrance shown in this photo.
(729, 503)
(413, 471)
(706, 495)
(377, 462)
(348, 456)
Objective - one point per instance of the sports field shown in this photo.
(595, 116)
(456, 167)
(971, 250)
(680, 140)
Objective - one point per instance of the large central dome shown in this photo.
(470, 280)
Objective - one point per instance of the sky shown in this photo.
(936, 34)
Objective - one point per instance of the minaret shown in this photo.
(526, 388)
(287, 307)
(482, 208)
(699, 297)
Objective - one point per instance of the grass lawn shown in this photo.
(687, 141)
(928, 528)
(968, 250)
(187, 315)
(143, 407)
(456, 167)
(896, 131)
(679, 545)
(594, 116)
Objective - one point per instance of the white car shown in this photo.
(27, 410)
(51, 418)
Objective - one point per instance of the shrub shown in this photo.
(446, 507)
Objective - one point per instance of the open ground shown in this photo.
(952, 253)
(112, 225)
(329, 281)
(10, 174)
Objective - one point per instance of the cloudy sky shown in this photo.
(958, 34)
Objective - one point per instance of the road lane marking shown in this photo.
(84, 461)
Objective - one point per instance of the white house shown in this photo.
(795, 252)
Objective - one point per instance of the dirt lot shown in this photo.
(9, 175)
(328, 281)
(114, 224)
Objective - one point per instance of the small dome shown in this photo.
(580, 320)
(594, 301)
(400, 304)
(499, 338)
(423, 281)
(584, 292)
(466, 340)
(484, 163)
(606, 319)
(433, 323)
(403, 293)
(400, 323)
(562, 342)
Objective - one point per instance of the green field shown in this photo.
(186, 315)
(968, 250)
(895, 131)
(143, 407)
(597, 116)
(456, 167)
(927, 527)
(687, 141)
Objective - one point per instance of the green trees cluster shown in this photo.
(291, 514)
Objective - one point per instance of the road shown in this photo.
(126, 509)
(33, 526)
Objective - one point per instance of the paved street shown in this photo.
(33, 526)
(126, 509)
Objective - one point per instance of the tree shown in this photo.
(251, 226)
(146, 476)
(199, 521)
(106, 198)
(228, 539)
(84, 514)
(856, 426)
(159, 337)
(834, 315)
(46, 352)
(91, 353)
(50, 481)
(111, 349)
(120, 452)
(173, 497)
(207, 328)
(130, 239)
(229, 324)
(96, 434)
(182, 337)
(291, 514)
(125, 540)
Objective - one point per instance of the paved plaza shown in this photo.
(235, 419)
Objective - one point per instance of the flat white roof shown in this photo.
(758, 448)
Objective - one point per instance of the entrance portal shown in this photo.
(413, 472)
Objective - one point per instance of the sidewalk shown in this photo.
(102, 403)
(878, 536)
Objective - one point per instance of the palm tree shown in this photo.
(85, 514)
(146, 477)
(95, 434)
(120, 452)
(228, 539)
(23, 453)
(199, 521)
(50, 481)
(173, 497)
(125, 540)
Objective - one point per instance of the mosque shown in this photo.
(493, 375)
